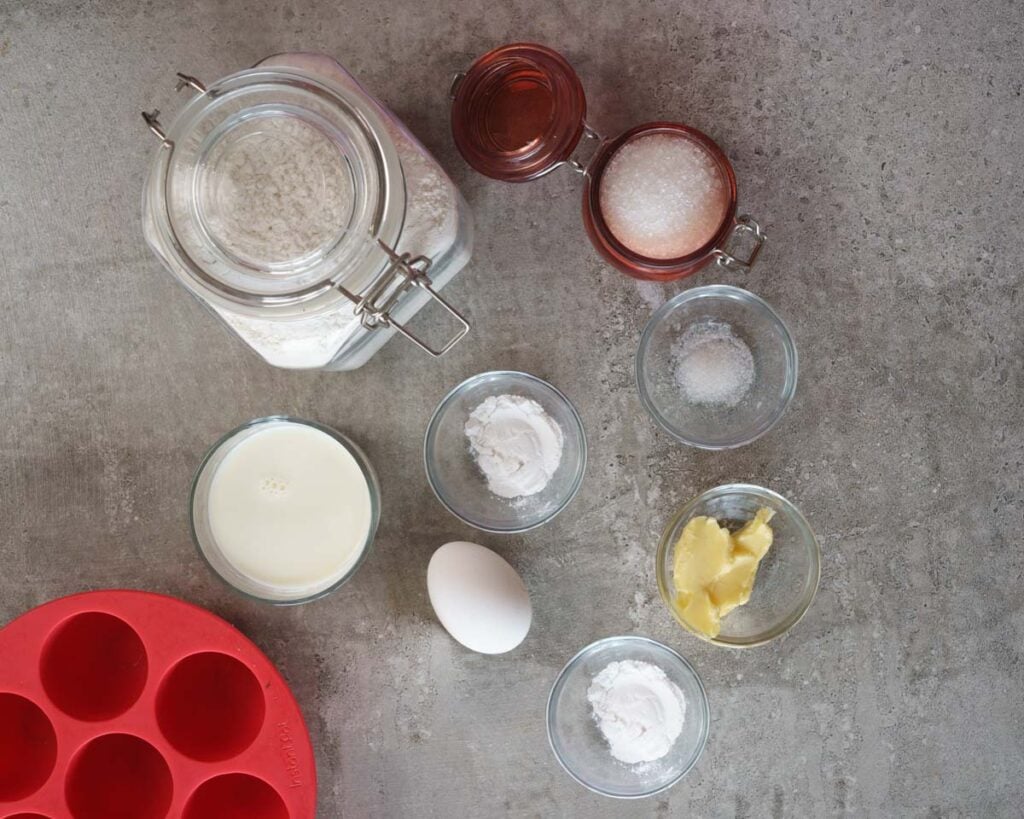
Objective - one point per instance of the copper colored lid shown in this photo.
(518, 112)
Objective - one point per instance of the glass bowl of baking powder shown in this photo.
(628, 717)
(505, 451)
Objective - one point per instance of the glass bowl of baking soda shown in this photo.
(628, 717)
(716, 367)
(505, 451)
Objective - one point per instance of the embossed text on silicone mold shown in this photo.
(291, 759)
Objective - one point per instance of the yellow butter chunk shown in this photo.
(714, 570)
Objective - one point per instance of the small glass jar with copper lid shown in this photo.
(659, 201)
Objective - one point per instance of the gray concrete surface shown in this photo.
(879, 142)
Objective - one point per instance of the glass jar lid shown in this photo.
(276, 187)
(518, 112)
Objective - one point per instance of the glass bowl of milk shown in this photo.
(284, 510)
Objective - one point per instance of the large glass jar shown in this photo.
(303, 214)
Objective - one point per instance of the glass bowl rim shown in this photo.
(592, 648)
(810, 540)
(350, 446)
(431, 434)
(735, 294)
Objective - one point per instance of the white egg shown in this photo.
(478, 597)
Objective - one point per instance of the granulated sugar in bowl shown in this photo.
(713, 365)
(716, 367)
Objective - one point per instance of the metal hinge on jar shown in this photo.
(747, 232)
(403, 274)
(152, 118)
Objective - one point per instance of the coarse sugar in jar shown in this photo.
(663, 196)
(659, 201)
(304, 214)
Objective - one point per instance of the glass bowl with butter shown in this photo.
(738, 565)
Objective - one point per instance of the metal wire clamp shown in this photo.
(402, 274)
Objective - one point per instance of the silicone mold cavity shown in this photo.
(28, 747)
(119, 775)
(210, 707)
(235, 796)
(94, 666)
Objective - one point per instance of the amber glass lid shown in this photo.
(518, 112)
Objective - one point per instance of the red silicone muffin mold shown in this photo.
(135, 705)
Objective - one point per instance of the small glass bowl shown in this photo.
(202, 533)
(715, 426)
(787, 577)
(581, 749)
(457, 480)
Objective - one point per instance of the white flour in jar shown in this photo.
(279, 194)
(431, 225)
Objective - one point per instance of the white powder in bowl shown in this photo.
(517, 445)
(663, 196)
(638, 709)
(713, 365)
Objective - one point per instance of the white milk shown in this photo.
(289, 507)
